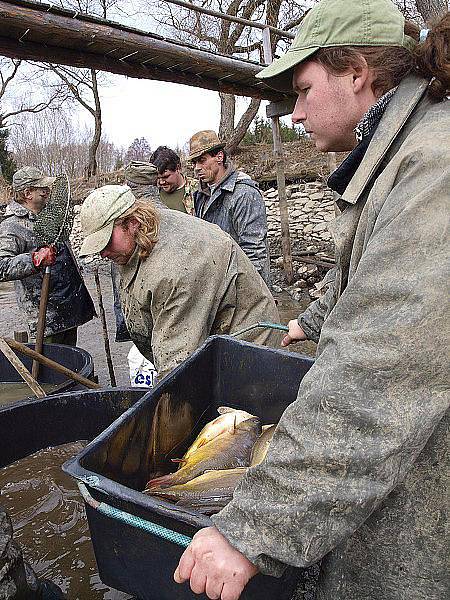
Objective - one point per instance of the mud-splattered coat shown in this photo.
(69, 302)
(237, 206)
(196, 282)
(356, 469)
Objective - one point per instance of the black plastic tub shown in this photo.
(31, 425)
(161, 426)
(76, 359)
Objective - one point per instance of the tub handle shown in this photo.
(128, 519)
(261, 324)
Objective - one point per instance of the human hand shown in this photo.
(295, 334)
(214, 567)
(44, 257)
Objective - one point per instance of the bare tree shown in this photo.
(227, 38)
(57, 143)
(14, 79)
(431, 9)
(139, 149)
(83, 84)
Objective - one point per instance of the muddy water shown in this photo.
(50, 523)
(10, 392)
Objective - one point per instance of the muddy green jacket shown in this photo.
(355, 472)
(196, 282)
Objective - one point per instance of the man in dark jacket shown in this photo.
(230, 199)
(21, 261)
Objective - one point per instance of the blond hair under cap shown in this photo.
(98, 213)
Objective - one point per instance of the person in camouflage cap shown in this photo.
(22, 261)
(176, 189)
(230, 199)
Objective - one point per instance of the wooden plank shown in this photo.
(30, 32)
(22, 370)
(281, 108)
(48, 362)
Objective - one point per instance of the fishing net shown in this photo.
(54, 223)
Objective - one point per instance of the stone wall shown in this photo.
(311, 208)
(310, 205)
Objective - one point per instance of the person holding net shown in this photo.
(23, 261)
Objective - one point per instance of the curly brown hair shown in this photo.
(390, 64)
(147, 216)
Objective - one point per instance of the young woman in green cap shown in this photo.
(355, 471)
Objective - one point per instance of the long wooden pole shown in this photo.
(22, 370)
(232, 18)
(112, 375)
(281, 179)
(42, 318)
(59, 36)
(48, 362)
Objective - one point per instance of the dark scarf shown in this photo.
(364, 132)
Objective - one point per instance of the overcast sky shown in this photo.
(164, 113)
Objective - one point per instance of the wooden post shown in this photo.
(112, 376)
(281, 179)
(332, 164)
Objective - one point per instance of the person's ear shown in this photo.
(133, 225)
(361, 76)
(27, 193)
(220, 157)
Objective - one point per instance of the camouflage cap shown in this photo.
(204, 141)
(141, 172)
(98, 213)
(28, 177)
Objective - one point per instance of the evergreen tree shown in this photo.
(7, 164)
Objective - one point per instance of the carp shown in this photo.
(228, 419)
(206, 493)
(232, 448)
(262, 445)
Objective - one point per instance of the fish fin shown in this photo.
(163, 481)
(222, 410)
(232, 428)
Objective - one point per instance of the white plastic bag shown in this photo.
(142, 371)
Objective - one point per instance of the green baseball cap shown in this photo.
(339, 23)
(98, 213)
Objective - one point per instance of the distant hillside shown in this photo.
(302, 162)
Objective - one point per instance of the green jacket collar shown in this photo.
(128, 271)
(404, 101)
